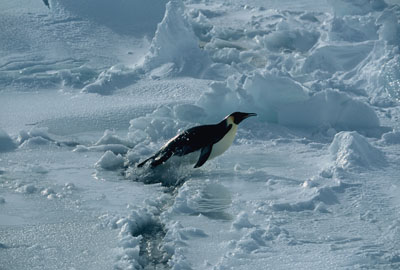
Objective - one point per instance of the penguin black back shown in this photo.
(198, 138)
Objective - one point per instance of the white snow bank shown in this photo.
(116, 77)
(134, 17)
(110, 161)
(110, 141)
(332, 58)
(38, 137)
(6, 143)
(351, 150)
(330, 109)
(262, 92)
(281, 100)
(174, 50)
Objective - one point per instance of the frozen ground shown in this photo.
(88, 89)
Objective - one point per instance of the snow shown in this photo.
(88, 89)
(351, 149)
(6, 143)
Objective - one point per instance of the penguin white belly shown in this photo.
(222, 145)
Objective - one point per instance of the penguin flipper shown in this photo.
(204, 154)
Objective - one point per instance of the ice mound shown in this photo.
(161, 124)
(110, 141)
(35, 137)
(263, 92)
(27, 189)
(115, 148)
(174, 51)
(209, 199)
(39, 74)
(330, 109)
(332, 58)
(351, 150)
(124, 17)
(110, 161)
(391, 137)
(389, 26)
(353, 29)
(176, 45)
(6, 143)
(321, 196)
(242, 221)
(116, 77)
(292, 40)
(356, 7)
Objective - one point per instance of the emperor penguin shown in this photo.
(210, 140)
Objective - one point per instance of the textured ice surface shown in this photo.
(90, 88)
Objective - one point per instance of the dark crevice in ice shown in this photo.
(152, 254)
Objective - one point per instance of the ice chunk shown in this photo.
(356, 7)
(110, 80)
(176, 43)
(390, 28)
(35, 142)
(26, 189)
(262, 92)
(270, 92)
(40, 132)
(391, 137)
(353, 29)
(293, 40)
(332, 109)
(332, 58)
(110, 137)
(6, 143)
(242, 221)
(188, 112)
(110, 161)
(351, 150)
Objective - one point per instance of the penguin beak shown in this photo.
(250, 114)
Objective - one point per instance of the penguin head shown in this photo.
(238, 117)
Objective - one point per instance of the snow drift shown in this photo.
(174, 51)
(6, 143)
(350, 150)
(124, 17)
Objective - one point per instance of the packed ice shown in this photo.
(89, 89)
